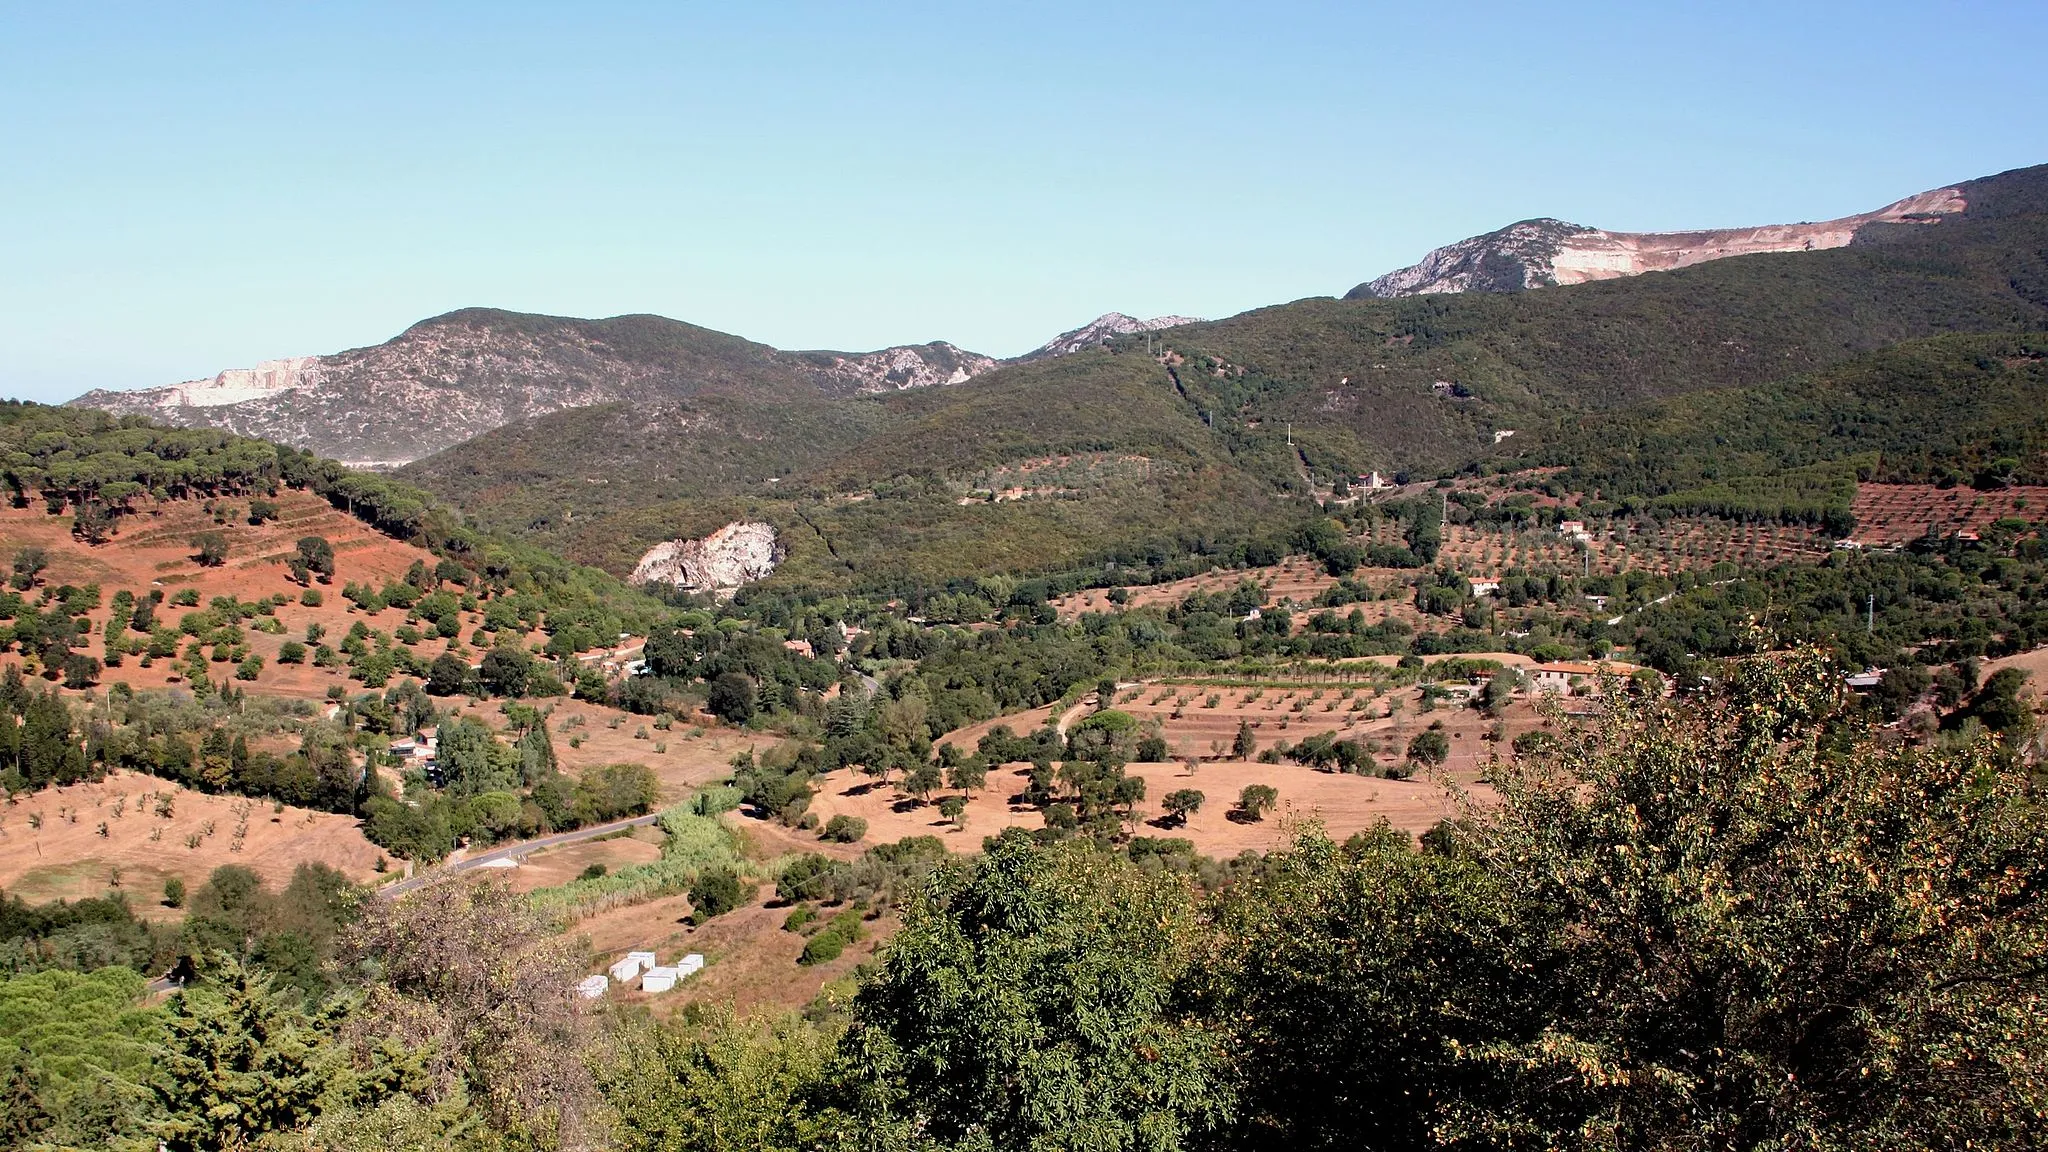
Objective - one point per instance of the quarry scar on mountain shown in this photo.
(735, 555)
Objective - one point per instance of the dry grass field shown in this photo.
(64, 843)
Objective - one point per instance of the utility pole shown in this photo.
(1869, 613)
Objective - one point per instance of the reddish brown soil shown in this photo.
(68, 857)
(1898, 513)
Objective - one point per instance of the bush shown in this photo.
(715, 800)
(595, 871)
(1431, 747)
(312, 598)
(715, 892)
(826, 946)
(845, 829)
(1256, 800)
(210, 549)
(174, 893)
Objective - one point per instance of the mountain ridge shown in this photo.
(1547, 252)
(450, 378)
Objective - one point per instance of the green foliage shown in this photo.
(1255, 800)
(831, 941)
(724, 1086)
(239, 1061)
(1654, 941)
(845, 829)
(715, 892)
(77, 1050)
(1182, 803)
(1034, 1001)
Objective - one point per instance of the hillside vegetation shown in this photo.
(1240, 419)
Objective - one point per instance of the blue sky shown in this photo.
(186, 188)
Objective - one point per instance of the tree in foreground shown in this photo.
(1035, 999)
(1740, 923)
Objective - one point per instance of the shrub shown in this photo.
(715, 892)
(826, 946)
(210, 549)
(845, 829)
(1256, 800)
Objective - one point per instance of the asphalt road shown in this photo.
(515, 851)
(502, 852)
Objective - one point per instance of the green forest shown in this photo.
(1746, 921)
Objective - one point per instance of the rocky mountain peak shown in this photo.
(1099, 330)
(1545, 252)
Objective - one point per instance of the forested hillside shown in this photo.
(1238, 419)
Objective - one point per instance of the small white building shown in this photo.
(1562, 678)
(592, 987)
(1573, 528)
(627, 970)
(1485, 585)
(658, 979)
(689, 965)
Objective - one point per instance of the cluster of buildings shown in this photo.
(645, 968)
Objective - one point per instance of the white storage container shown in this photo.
(658, 980)
(624, 971)
(689, 966)
(592, 987)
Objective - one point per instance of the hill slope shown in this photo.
(1237, 420)
(1544, 253)
(454, 377)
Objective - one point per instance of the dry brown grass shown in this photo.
(67, 857)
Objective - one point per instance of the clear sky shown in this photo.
(190, 187)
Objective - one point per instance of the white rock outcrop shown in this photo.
(1100, 329)
(1541, 253)
(735, 555)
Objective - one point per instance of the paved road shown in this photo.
(507, 851)
(515, 851)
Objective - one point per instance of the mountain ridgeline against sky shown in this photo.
(1545, 253)
(604, 438)
(455, 377)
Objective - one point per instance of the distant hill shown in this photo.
(1127, 438)
(1102, 330)
(1224, 429)
(1545, 252)
(457, 376)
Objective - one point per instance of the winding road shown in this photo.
(502, 852)
(515, 851)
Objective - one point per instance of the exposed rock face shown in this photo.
(235, 385)
(896, 369)
(737, 554)
(1099, 330)
(455, 377)
(1540, 253)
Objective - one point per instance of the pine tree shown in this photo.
(239, 1061)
